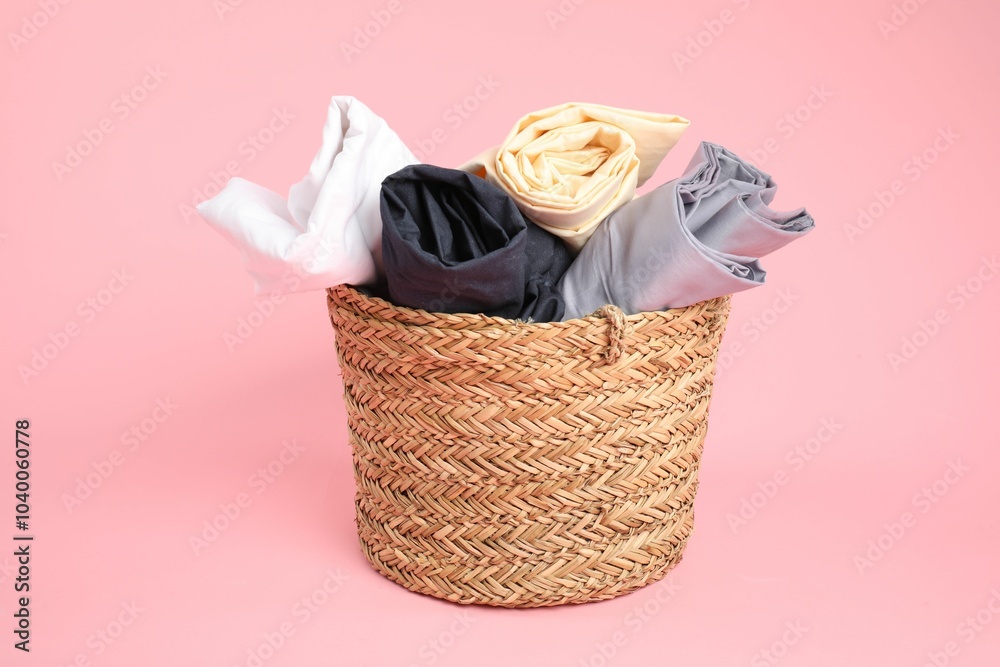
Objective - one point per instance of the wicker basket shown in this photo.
(525, 465)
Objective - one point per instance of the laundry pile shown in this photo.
(544, 227)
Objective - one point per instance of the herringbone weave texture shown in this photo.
(522, 465)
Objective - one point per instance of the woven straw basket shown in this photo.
(525, 465)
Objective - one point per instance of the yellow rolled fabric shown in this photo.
(569, 166)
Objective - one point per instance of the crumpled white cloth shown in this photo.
(569, 166)
(329, 231)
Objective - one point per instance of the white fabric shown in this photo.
(329, 231)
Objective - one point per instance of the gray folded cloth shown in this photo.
(694, 238)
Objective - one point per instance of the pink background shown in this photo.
(842, 547)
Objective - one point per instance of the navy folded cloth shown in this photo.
(694, 238)
(454, 243)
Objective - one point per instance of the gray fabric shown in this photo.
(694, 238)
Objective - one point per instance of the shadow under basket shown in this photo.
(525, 464)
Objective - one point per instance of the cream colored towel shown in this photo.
(568, 167)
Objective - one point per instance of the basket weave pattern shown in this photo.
(525, 465)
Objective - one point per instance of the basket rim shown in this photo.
(351, 294)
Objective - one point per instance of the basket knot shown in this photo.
(616, 329)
